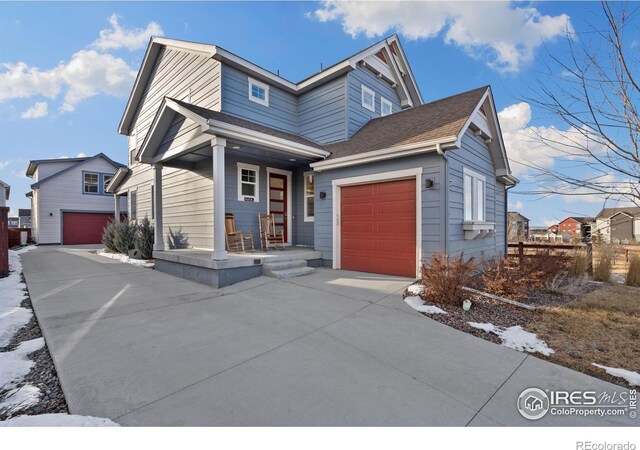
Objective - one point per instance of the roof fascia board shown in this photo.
(383, 154)
(395, 70)
(77, 164)
(394, 39)
(229, 58)
(117, 179)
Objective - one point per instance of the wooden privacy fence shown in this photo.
(521, 246)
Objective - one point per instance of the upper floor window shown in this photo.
(386, 107)
(91, 183)
(475, 192)
(248, 182)
(106, 179)
(368, 98)
(258, 92)
(309, 199)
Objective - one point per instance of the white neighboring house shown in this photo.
(5, 189)
(69, 204)
(618, 224)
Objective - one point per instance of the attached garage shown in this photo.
(83, 227)
(378, 227)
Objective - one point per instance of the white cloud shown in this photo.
(548, 222)
(81, 155)
(4, 164)
(89, 72)
(37, 111)
(505, 36)
(516, 205)
(132, 39)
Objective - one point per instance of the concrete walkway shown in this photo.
(332, 348)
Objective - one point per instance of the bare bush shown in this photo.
(602, 268)
(633, 274)
(445, 277)
(565, 284)
(579, 264)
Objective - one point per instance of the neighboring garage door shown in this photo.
(83, 228)
(378, 228)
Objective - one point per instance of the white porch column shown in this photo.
(116, 208)
(219, 251)
(157, 207)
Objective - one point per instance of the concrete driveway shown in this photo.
(331, 348)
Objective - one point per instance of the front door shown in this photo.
(278, 201)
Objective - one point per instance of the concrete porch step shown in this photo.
(286, 269)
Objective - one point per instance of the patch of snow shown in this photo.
(125, 259)
(417, 304)
(20, 398)
(12, 315)
(633, 378)
(416, 289)
(58, 420)
(516, 338)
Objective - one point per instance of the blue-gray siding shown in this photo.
(322, 112)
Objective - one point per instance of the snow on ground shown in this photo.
(58, 420)
(416, 289)
(14, 366)
(12, 316)
(633, 378)
(417, 304)
(125, 259)
(516, 338)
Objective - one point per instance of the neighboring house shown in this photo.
(350, 161)
(24, 218)
(553, 229)
(542, 234)
(5, 190)
(575, 228)
(68, 199)
(13, 222)
(618, 224)
(517, 227)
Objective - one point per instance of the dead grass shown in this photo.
(600, 327)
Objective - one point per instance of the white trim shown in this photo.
(366, 90)
(305, 196)
(384, 102)
(256, 169)
(288, 174)
(385, 153)
(262, 86)
(373, 178)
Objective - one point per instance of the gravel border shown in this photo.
(43, 375)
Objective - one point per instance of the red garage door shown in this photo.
(378, 228)
(83, 228)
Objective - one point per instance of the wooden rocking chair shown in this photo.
(236, 239)
(268, 234)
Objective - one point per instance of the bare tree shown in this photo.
(598, 97)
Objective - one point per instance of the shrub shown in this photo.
(602, 269)
(125, 233)
(144, 238)
(633, 274)
(579, 264)
(109, 236)
(444, 278)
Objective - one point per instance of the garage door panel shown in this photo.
(83, 228)
(378, 228)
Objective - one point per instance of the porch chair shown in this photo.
(268, 234)
(236, 239)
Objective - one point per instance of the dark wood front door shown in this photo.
(278, 201)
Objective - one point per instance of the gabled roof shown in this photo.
(609, 212)
(78, 162)
(579, 219)
(520, 214)
(391, 46)
(440, 119)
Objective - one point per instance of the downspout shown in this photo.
(506, 218)
(446, 198)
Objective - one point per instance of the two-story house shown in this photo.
(517, 227)
(618, 224)
(350, 161)
(575, 228)
(69, 202)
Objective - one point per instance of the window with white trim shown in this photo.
(386, 107)
(309, 197)
(248, 182)
(106, 179)
(368, 98)
(475, 194)
(91, 182)
(258, 92)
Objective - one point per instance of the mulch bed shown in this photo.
(43, 375)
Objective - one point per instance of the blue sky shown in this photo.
(67, 68)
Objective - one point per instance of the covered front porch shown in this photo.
(239, 168)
